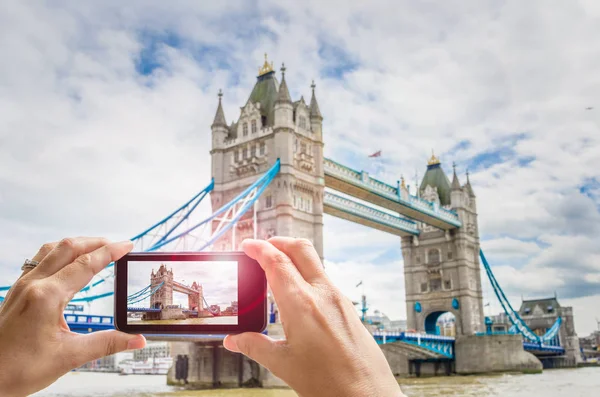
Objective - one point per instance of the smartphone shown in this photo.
(190, 293)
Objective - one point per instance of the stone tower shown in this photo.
(270, 127)
(164, 296)
(195, 300)
(441, 268)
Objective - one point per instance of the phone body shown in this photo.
(190, 293)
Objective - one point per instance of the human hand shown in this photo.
(327, 351)
(36, 345)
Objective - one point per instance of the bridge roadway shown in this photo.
(359, 184)
(178, 287)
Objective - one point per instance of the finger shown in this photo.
(304, 256)
(259, 347)
(89, 347)
(65, 252)
(41, 254)
(76, 275)
(282, 275)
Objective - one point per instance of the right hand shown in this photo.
(327, 351)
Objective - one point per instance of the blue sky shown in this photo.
(105, 113)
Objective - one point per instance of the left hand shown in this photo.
(36, 345)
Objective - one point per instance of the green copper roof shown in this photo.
(265, 92)
(435, 177)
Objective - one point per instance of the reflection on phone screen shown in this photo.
(182, 293)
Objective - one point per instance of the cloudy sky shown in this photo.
(218, 280)
(105, 111)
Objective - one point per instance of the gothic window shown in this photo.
(237, 155)
(263, 121)
(423, 287)
(302, 122)
(300, 203)
(447, 284)
(245, 129)
(262, 148)
(253, 153)
(269, 202)
(435, 284)
(433, 256)
(254, 126)
(245, 153)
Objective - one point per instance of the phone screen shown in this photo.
(182, 293)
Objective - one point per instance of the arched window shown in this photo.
(245, 129)
(254, 126)
(302, 122)
(434, 256)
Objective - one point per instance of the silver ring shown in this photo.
(29, 264)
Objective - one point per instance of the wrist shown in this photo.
(8, 383)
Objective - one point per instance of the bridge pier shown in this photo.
(211, 366)
(476, 354)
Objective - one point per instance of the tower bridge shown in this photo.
(270, 177)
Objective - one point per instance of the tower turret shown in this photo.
(219, 126)
(316, 119)
(284, 111)
(456, 192)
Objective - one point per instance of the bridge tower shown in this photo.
(270, 127)
(164, 296)
(441, 269)
(195, 300)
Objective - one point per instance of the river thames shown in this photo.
(583, 382)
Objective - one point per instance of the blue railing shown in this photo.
(85, 323)
(442, 345)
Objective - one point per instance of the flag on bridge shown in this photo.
(359, 284)
(376, 154)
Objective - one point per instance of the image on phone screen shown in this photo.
(186, 293)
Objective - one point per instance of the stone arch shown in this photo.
(429, 318)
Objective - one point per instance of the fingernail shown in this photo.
(138, 342)
(230, 344)
(127, 243)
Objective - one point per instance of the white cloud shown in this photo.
(90, 146)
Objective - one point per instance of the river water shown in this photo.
(582, 382)
(231, 320)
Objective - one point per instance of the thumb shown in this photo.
(259, 347)
(103, 343)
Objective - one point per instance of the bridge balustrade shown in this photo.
(373, 214)
(88, 319)
(390, 192)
